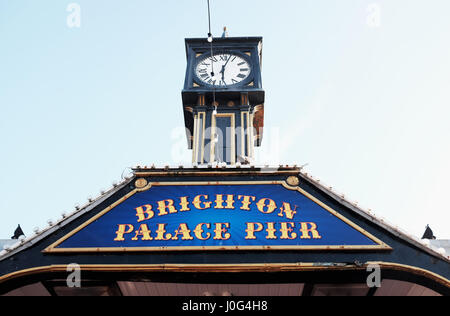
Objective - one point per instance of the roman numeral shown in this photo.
(244, 69)
(203, 71)
(234, 81)
(241, 76)
(243, 63)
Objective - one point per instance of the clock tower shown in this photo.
(223, 99)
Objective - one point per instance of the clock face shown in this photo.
(223, 69)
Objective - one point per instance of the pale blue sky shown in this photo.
(367, 107)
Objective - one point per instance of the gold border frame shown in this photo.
(199, 142)
(195, 145)
(227, 268)
(380, 244)
(202, 156)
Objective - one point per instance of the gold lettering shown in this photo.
(271, 231)
(313, 230)
(144, 232)
(165, 205)
(184, 204)
(160, 233)
(219, 201)
(122, 230)
(197, 202)
(270, 207)
(146, 214)
(287, 232)
(183, 230)
(221, 232)
(251, 230)
(198, 231)
(246, 201)
(287, 210)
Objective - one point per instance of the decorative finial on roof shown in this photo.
(17, 233)
(428, 233)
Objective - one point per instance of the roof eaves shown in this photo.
(38, 235)
(368, 214)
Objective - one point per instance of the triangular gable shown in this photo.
(217, 216)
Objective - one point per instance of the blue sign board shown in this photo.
(221, 216)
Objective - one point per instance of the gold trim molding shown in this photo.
(293, 181)
(140, 183)
(228, 268)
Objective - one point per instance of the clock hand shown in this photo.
(212, 66)
(227, 62)
(223, 73)
(223, 69)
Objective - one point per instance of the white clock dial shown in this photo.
(223, 69)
